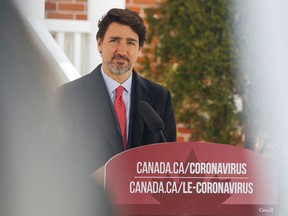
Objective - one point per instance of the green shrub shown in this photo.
(193, 55)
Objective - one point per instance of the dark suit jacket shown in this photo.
(89, 130)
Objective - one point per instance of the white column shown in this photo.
(77, 51)
(96, 10)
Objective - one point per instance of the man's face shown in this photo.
(120, 49)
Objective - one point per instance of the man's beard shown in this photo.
(117, 68)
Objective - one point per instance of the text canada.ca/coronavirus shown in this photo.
(191, 168)
(190, 187)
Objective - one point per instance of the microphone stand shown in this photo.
(162, 135)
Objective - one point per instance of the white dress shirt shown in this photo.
(112, 85)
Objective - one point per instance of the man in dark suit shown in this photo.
(92, 133)
(94, 122)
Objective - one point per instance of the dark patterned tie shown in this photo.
(120, 110)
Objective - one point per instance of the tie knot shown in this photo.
(119, 91)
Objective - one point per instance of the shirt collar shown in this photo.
(112, 84)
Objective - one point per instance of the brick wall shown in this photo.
(140, 5)
(77, 9)
(66, 9)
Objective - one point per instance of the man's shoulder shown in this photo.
(148, 84)
(80, 82)
(77, 82)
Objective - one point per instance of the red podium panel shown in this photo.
(192, 178)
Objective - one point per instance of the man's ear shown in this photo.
(99, 42)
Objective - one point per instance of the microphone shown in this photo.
(152, 119)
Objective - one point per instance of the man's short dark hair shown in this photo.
(124, 17)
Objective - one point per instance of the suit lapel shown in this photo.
(96, 98)
(140, 92)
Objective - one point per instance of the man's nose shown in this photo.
(122, 48)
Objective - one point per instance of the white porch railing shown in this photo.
(73, 38)
(57, 54)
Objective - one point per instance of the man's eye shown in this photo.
(114, 40)
(131, 43)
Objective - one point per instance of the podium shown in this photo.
(192, 178)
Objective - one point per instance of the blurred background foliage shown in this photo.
(192, 51)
